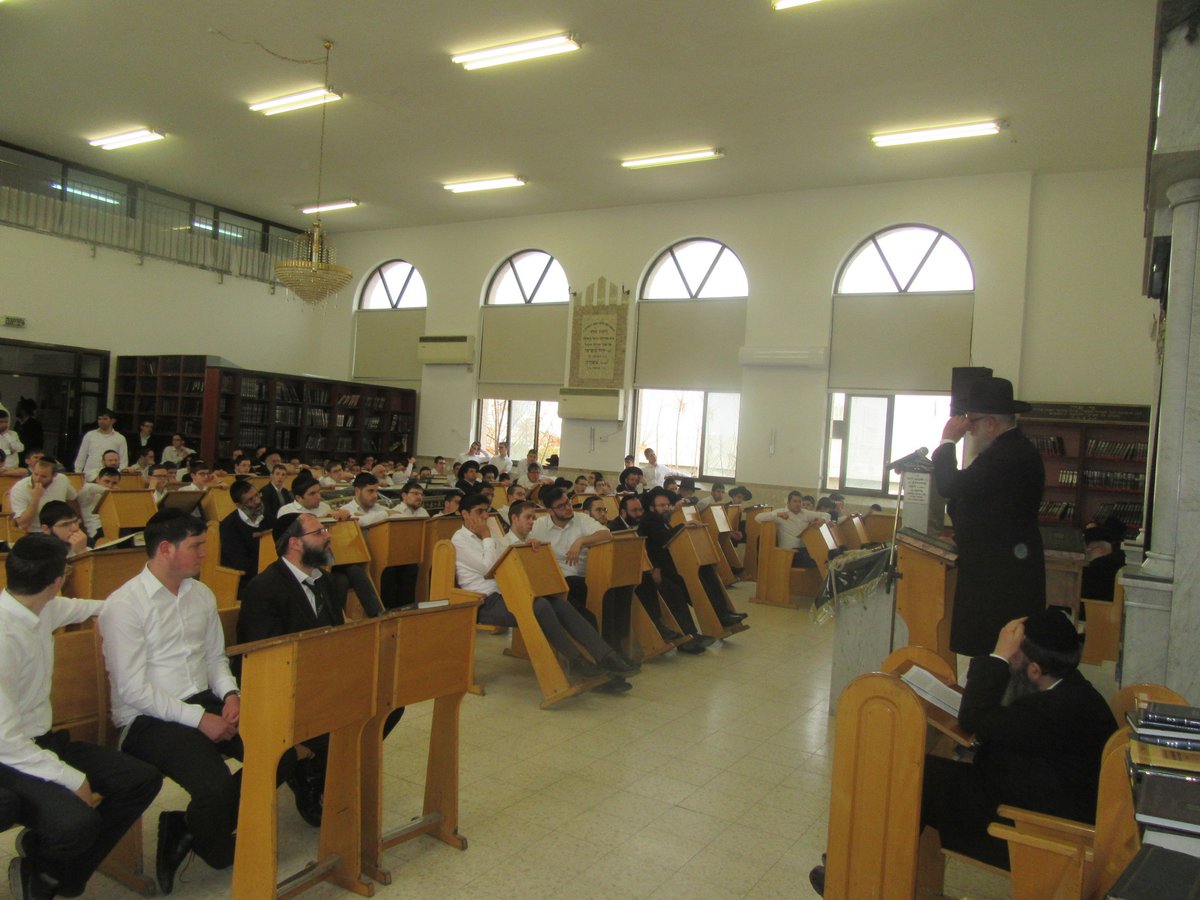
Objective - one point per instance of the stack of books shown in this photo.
(1164, 759)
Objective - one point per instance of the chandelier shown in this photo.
(312, 274)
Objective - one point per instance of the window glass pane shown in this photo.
(521, 425)
(554, 287)
(728, 278)
(235, 228)
(493, 422)
(669, 421)
(394, 285)
(865, 435)
(505, 290)
(664, 282)
(549, 430)
(695, 258)
(95, 190)
(833, 477)
(721, 434)
(530, 265)
(838, 407)
(918, 421)
(904, 248)
(865, 273)
(947, 269)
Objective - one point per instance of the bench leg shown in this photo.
(124, 863)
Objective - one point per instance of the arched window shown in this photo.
(907, 259)
(531, 276)
(395, 284)
(696, 269)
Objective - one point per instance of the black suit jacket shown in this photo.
(1001, 565)
(619, 524)
(274, 604)
(1041, 752)
(273, 499)
(239, 544)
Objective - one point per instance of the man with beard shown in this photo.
(994, 505)
(1040, 751)
(240, 531)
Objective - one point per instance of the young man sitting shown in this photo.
(60, 521)
(570, 536)
(241, 530)
(90, 497)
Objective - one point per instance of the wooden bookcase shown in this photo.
(219, 408)
(1096, 460)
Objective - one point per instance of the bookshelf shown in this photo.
(218, 407)
(1096, 461)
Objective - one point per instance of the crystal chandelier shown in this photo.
(312, 275)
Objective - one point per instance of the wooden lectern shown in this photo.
(425, 654)
(346, 541)
(96, 574)
(718, 526)
(125, 510)
(394, 542)
(925, 591)
(294, 688)
(748, 518)
(524, 574)
(690, 549)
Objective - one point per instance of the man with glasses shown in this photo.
(569, 536)
(994, 505)
(59, 520)
(241, 529)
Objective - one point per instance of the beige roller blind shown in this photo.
(385, 343)
(690, 344)
(899, 342)
(494, 391)
(524, 344)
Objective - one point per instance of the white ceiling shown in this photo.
(791, 97)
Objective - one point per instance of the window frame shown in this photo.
(873, 238)
(529, 299)
(700, 475)
(507, 419)
(395, 304)
(655, 265)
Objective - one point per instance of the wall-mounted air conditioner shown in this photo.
(597, 404)
(446, 349)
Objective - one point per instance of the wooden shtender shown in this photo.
(690, 515)
(925, 592)
(524, 574)
(778, 580)
(690, 549)
(618, 564)
(748, 519)
(125, 510)
(346, 541)
(394, 542)
(438, 528)
(131, 482)
(294, 688)
(718, 525)
(95, 575)
(425, 654)
(217, 504)
(900, 661)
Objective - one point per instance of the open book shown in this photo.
(929, 688)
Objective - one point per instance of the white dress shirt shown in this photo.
(502, 463)
(561, 539)
(161, 649)
(26, 669)
(95, 444)
(404, 511)
(90, 496)
(473, 559)
(322, 510)
(10, 443)
(366, 518)
(255, 523)
(654, 475)
(788, 531)
(178, 456)
(21, 495)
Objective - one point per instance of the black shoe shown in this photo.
(174, 844)
(614, 686)
(817, 879)
(667, 634)
(615, 663)
(585, 668)
(731, 619)
(25, 883)
(308, 785)
(703, 640)
(693, 646)
(24, 842)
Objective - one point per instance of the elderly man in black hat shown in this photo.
(1040, 728)
(993, 503)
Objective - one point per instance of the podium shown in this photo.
(125, 510)
(690, 549)
(748, 518)
(524, 574)
(718, 526)
(925, 591)
(394, 542)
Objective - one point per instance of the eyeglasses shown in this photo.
(321, 530)
(972, 420)
(561, 504)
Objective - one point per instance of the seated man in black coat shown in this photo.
(240, 531)
(293, 594)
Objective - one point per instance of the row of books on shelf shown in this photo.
(194, 386)
(286, 392)
(1048, 444)
(254, 388)
(1117, 449)
(1053, 510)
(345, 420)
(1121, 481)
(254, 413)
(1129, 513)
(354, 401)
(287, 415)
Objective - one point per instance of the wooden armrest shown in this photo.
(1040, 843)
(1030, 822)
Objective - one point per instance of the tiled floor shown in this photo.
(708, 780)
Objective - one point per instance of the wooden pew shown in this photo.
(346, 541)
(1102, 637)
(297, 687)
(524, 574)
(394, 542)
(718, 525)
(437, 528)
(130, 482)
(690, 549)
(686, 514)
(120, 510)
(7, 481)
(778, 580)
(221, 580)
(425, 654)
(216, 504)
(618, 564)
(748, 518)
(96, 574)
(500, 496)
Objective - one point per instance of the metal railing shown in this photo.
(133, 221)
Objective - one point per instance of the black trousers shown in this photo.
(955, 801)
(360, 581)
(559, 620)
(577, 594)
(674, 594)
(186, 756)
(398, 586)
(69, 838)
(615, 627)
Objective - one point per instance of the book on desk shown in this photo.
(1167, 725)
(928, 687)
(1158, 873)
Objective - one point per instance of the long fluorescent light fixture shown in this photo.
(672, 159)
(301, 100)
(788, 4)
(328, 207)
(510, 53)
(91, 195)
(126, 139)
(943, 133)
(488, 184)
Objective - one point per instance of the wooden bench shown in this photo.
(691, 515)
(437, 528)
(748, 518)
(778, 580)
(221, 580)
(618, 564)
(691, 549)
(442, 576)
(1102, 635)
(97, 573)
(394, 542)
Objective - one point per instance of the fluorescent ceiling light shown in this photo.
(80, 192)
(942, 133)
(126, 139)
(331, 205)
(289, 102)
(788, 4)
(522, 50)
(672, 159)
(488, 184)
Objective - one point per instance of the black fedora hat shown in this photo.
(994, 396)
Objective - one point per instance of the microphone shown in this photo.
(897, 464)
